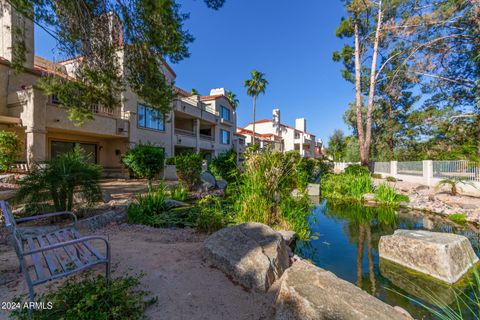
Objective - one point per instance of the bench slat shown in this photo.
(37, 260)
(57, 252)
(86, 244)
(49, 257)
(71, 255)
(82, 250)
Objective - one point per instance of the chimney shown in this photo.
(276, 120)
(301, 124)
(218, 91)
(15, 29)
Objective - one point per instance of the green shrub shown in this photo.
(59, 179)
(295, 213)
(386, 193)
(225, 166)
(178, 193)
(170, 161)
(146, 161)
(391, 179)
(459, 218)
(189, 169)
(211, 215)
(376, 176)
(10, 149)
(93, 298)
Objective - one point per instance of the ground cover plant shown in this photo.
(459, 218)
(179, 193)
(59, 179)
(89, 297)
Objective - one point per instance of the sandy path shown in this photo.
(186, 287)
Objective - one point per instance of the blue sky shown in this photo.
(290, 41)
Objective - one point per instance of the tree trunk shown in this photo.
(361, 239)
(371, 93)
(358, 92)
(371, 270)
(254, 113)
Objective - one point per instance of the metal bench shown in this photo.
(52, 254)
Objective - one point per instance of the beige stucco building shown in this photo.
(274, 134)
(203, 124)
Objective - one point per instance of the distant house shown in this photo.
(282, 137)
(205, 124)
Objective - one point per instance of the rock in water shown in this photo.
(445, 256)
(253, 254)
(310, 293)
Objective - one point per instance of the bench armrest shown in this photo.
(67, 243)
(48, 215)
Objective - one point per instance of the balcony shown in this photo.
(185, 132)
(206, 137)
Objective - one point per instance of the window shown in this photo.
(58, 148)
(297, 135)
(225, 113)
(150, 118)
(225, 137)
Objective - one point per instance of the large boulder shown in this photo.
(310, 293)
(252, 254)
(208, 178)
(445, 256)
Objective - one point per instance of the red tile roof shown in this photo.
(283, 125)
(262, 135)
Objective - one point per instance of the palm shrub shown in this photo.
(225, 166)
(10, 149)
(453, 184)
(59, 179)
(189, 169)
(146, 161)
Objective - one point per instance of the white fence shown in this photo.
(427, 172)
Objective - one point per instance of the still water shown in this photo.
(345, 241)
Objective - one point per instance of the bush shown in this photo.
(391, 179)
(146, 161)
(225, 166)
(93, 298)
(357, 170)
(376, 176)
(189, 169)
(211, 215)
(386, 193)
(59, 179)
(10, 149)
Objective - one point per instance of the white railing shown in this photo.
(467, 170)
(413, 168)
(382, 167)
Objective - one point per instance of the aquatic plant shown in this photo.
(346, 186)
(388, 194)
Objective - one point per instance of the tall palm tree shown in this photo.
(255, 86)
(232, 98)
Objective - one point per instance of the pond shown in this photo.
(345, 241)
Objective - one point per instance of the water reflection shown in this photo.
(346, 242)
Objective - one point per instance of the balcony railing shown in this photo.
(185, 132)
(206, 137)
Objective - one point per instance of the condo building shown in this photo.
(205, 124)
(274, 134)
